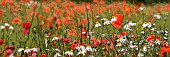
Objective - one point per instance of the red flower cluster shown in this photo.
(1, 42)
(26, 26)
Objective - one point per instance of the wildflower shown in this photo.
(16, 21)
(142, 8)
(1, 41)
(26, 25)
(144, 48)
(20, 50)
(55, 38)
(2, 27)
(131, 23)
(158, 16)
(106, 22)
(113, 19)
(11, 27)
(57, 55)
(46, 43)
(34, 49)
(97, 16)
(57, 49)
(27, 50)
(140, 55)
(69, 53)
(80, 47)
(97, 25)
(118, 22)
(89, 48)
(67, 40)
(7, 25)
(104, 19)
(127, 27)
(147, 25)
(83, 52)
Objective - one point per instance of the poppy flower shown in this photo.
(42, 55)
(106, 41)
(150, 38)
(26, 25)
(67, 40)
(3, 2)
(118, 22)
(16, 21)
(1, 41)
(25, 31)
(95, 1)
(1, 12)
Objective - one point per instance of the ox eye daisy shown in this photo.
(97, 25)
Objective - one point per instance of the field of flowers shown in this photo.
(64, 28)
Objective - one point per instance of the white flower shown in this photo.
(142, 32)
(127, 27)
(113, 19)
(34, 49)
(97, 25)
(106, 22)
(46, 44)
(80, 48)
(56, 49)
(144, 48)
(165, 37)
(10, 27)
(153, 29)
(55, 38)
(131, 23)
(69, 53)
(89, 48)
(104, 19)
(165, 18)
(57, 55)
(97, 16)
(142, 8)
(20, 49)
(2, 27)
(27, 50)
(158, 16)
(148, 25)
(83, 52)
(6, 24)
(140, 54)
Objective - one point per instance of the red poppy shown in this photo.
(118, 22)
(42, 55)
(150, 38)
(1, 12)
(95, 1)
(67, 40)
(26, 25)
(106, 41)
(3, 2)
(25, 31)
(16, 21)
(1, 41)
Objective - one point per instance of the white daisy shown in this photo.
(140, 55)
(69, 53)
(6, 24)
(158, 16)
(2, 27)
(97, 25)
(27, 50)
(97, 16)
(113, 19)
(89, 48)
(106, 22)
(55, 38)
(46, 44)
(11, 27)
(20, 49)
(142, 8)
(57, 55)
(82, 52)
